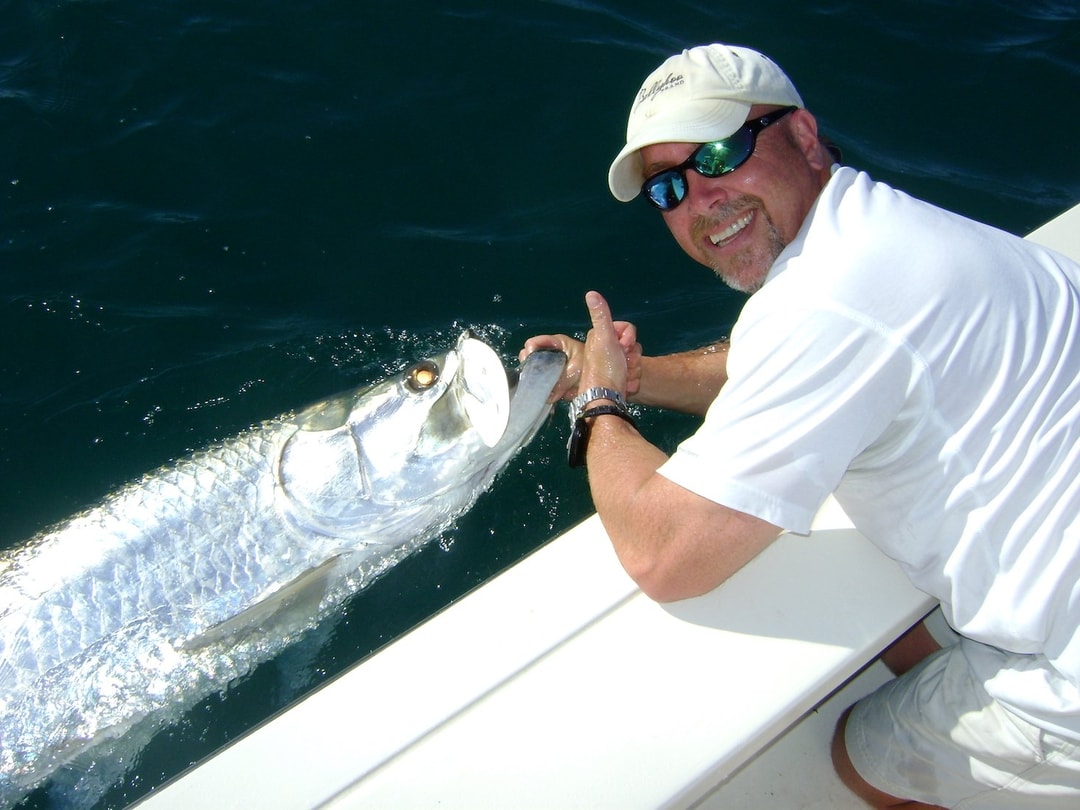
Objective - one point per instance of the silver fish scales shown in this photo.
(182, 581)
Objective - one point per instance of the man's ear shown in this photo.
(804, 134)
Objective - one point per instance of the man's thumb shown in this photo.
(598, 311)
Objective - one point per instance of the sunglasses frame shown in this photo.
(670, 185)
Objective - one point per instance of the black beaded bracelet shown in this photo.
(579, 436)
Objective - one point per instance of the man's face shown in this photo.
(738, 223)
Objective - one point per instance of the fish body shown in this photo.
(184, 580)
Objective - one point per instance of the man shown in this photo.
(921, 366)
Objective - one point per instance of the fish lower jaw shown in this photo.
(732, 230)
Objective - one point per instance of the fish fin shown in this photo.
(292, 605)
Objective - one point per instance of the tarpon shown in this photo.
(180, 582)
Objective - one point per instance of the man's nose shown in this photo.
(704, 193)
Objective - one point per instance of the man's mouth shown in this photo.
(733, 230)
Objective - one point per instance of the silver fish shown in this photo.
(180, 582)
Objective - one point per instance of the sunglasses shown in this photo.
(666, 189)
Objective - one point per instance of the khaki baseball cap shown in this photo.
(702, 94)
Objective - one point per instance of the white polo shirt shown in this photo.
(926, 368)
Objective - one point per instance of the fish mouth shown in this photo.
(504, 404)
(535, 380)
(483, 388)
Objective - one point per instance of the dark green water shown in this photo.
(215, 211)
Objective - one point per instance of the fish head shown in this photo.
(433, 418)
(428, 439)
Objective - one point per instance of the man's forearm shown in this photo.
(673, 543)
(687, 381)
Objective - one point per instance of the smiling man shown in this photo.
(923, 367)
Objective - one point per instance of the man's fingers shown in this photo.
(627, 333)
(560, 342)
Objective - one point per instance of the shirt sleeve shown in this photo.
(810, 389)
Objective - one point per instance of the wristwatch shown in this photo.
(578, 403)
(579, 433)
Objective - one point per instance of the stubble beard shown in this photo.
(745, 271)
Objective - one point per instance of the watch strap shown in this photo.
(579, 434)
(578, 403)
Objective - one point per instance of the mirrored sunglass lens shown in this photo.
(720, 157)
(666, 190)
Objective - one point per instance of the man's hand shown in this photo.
(606, 360)
(625, 337)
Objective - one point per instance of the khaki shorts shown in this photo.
(934, 735)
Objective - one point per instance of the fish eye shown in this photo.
(422, 376)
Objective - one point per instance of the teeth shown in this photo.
(731, 230)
